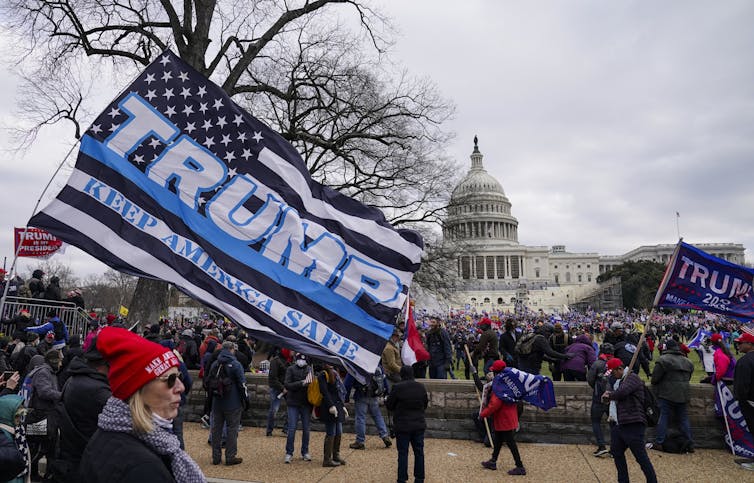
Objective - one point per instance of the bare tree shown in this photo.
(325, 84)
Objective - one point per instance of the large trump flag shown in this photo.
(175, 182)
(697, 280)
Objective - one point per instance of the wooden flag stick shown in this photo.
(479, 396)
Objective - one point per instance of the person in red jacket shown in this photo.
(505, 419)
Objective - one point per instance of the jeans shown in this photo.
(438, 372)
(630, 436)
(333, 428)
(416, 439)
(364, 405)
(667, 409)
(274, 406)
(598, 410)
(222, 418)
(294, 413)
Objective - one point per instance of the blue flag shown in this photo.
(512, 385)
(176, 182)
(697, 280)
(738, 436)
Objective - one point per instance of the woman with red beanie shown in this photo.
(505, 418)
(134, 442)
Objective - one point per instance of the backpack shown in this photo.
(677, 443)
(218, 383)
(27, 388)
(313, 393)
(525, 344)
(58, 330)
(377, 383)
(651, 408)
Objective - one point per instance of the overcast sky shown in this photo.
(600, 119)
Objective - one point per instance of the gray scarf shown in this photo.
(116, 417)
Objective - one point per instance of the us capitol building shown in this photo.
(497, 273)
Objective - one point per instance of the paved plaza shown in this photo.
(447, 461)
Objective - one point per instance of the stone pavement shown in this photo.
(447, 461)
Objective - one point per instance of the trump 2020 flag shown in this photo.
(175, 182)
(697, 280)
(413, 350)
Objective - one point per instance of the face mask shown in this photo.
(301, 362)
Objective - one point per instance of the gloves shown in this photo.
(345, 411)
(333, 410)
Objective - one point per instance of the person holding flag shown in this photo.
(743, 386)
(505, 418)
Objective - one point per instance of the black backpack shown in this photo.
(651, 408)
(218, 383)
(525, 344)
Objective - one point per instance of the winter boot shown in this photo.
(336, 450)
(327, 460)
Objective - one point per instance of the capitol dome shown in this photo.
(479, 211)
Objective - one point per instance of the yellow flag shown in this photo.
(639, 327)
(123, 311)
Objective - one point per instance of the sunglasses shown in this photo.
(170, 380)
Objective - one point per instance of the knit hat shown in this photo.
(715, 338)
(614, 363)
(134, 361)
(671, 345)
(484, 321)
(497, 366)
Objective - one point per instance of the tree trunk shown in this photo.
(149, 301)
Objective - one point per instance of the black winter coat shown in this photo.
(84, 396)
(330, 397)
(743, 379)
(630, 400)
(276, 376)
(112, 457)
(532, 362)
(408, 400)
(294, 382)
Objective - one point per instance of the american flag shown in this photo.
(175, 181)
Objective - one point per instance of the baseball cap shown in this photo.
(614, 363)
(716, 337)
(746, 337)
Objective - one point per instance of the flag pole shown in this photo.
(668, 271)
(479, 396)
(678, 224)
(11, 272)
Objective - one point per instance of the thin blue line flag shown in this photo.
(176, 182)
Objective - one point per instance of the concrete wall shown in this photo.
(452, 402)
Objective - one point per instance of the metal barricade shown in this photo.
(70, 314)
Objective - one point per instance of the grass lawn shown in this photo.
(698, 375)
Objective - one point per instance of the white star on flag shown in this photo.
(218, 103)
(221, 122)
(166, 76)
(168, 94)
(190, 127)
(242, 136)
(229, 156)
(113, 127)
(202, 107)
(170, 112)
(185, 92)
(183, 76)
(164, 61)
(149, 79)
(257, 136)
(207, 125)
(139, 159)
(238, 120)
(232, 172)
(150, 95)
(114, 112)
(202, 91)
(96, 128)
(209, 142)
(246, 154)
(154, 142)
(226, 140)
(188, 110)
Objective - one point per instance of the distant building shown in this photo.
(495, 272)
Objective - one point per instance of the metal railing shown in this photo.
(75, 318)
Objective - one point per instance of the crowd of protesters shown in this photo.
(71, 402)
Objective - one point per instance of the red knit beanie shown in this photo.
(134, 361)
